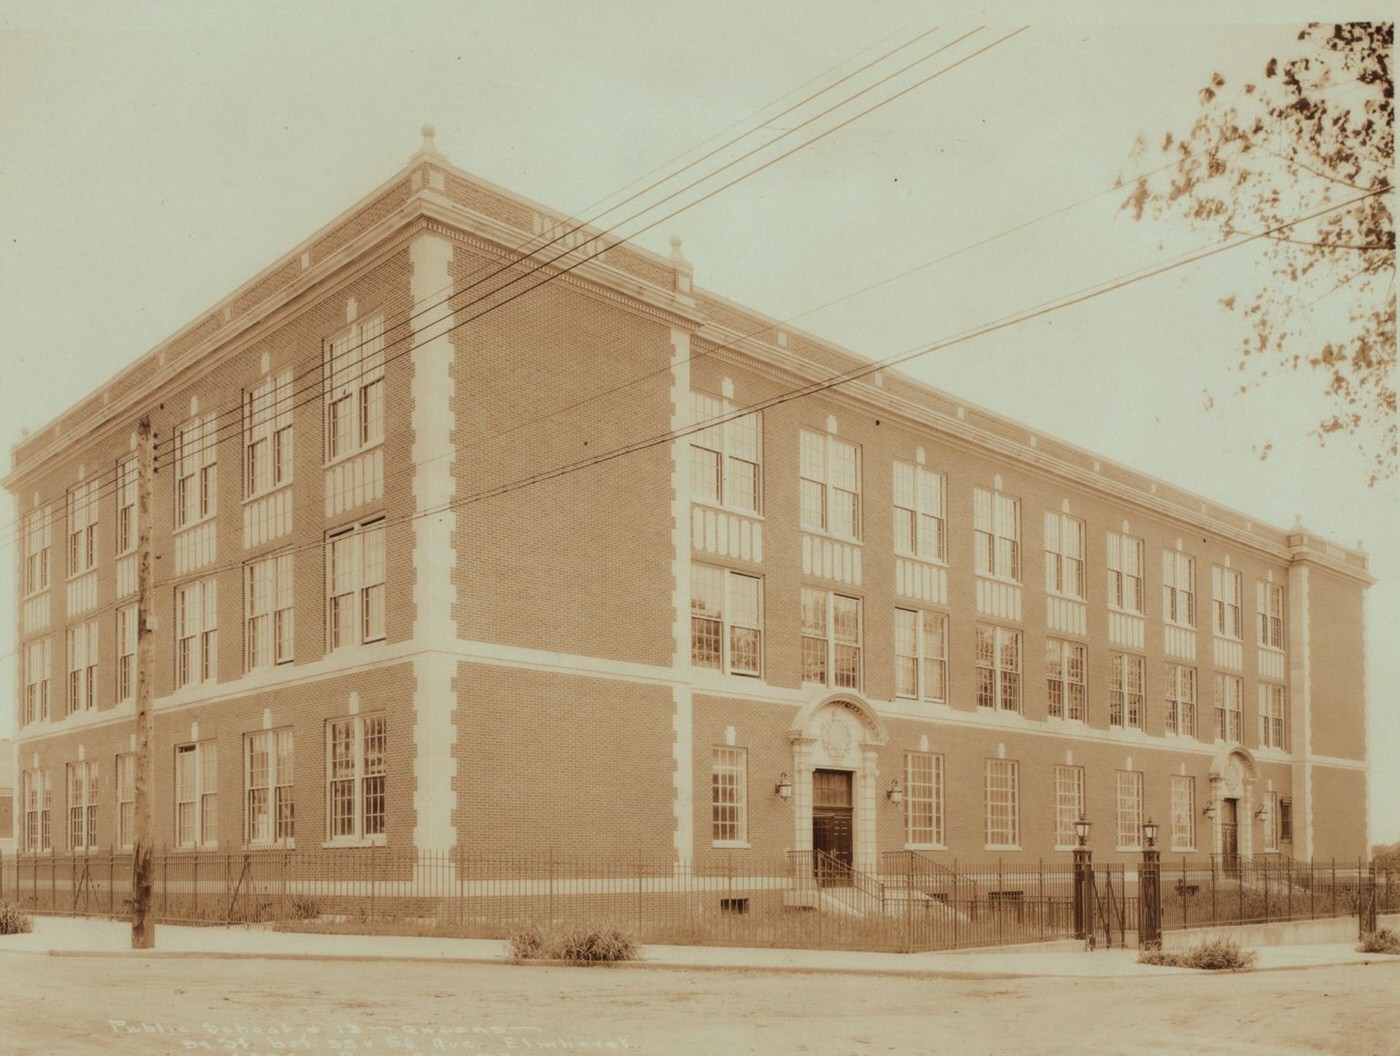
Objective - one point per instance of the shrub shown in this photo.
(580, 944)
(1382, 941)
(526, 943)
(304, 908)
(1218, 955)
(14, 920)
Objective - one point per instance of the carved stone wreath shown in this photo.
(836, 738)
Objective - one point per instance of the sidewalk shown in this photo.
(63, 936)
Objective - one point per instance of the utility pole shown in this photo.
(143, 929)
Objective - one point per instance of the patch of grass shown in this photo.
(14, 920)
(576, 944)
(1219, 955)
(1382, 941)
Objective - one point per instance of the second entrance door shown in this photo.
(832, 841)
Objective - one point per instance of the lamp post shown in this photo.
(1150, 890)
(1083, 880)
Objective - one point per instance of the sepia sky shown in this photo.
(153, 160)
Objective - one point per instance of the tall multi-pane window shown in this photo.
(1064, 679)
(196, 470)
(267, 611)
(1227, 589)
(726, 620)
(269, 818)
(38, 541)
(1001, 796)
(38, 655)
(356, 792)
(1273, 716)
(923, 799)
(1064, 555)
(1128, 813)
(82, 667)
(355, 388)
(37, 796)
(128, 511)
(1183, 813)
(1229, 707)
(126, 653)
(126, 799)
(996, 536)
(355, 585)
(1271, 615)
(1181, 700)
(1125, 689)
(1270, 821)
(267, 435)
(1178, 588)
(1069, 803)
(82, 805)
(829, 472)
(920, 518)
(725, 458)
(197, 794)
(1125, 573)
(82, 526)
(196, 632)
(920, 655)
(998, 668)
(1285, 820)
(729, 795)
(831, 639)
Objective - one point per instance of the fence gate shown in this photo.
(1366, 899)
(1108, 906)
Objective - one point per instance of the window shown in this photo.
(128, 510)
(1125, 573)
(267, 784)
(719, 598)
(1270, 821)
(38, 538)
(1273, 716)
(998, 668)
(197, 794)
(725, 458)
(1064, 679)
(82, 667)
(1183, 813)
(356, 795)
(920, 655)
(1227, 589)
(126, 799)
(1125, 690)
(729, 812)
(82, 527)
(38, 804)
(196, 470)
(1129, 810)
(1271, 615)
(1064, 555)
(1181, 700)
(919, 512)
(830, 485)
(82, 805)
(1002, 797)
(37, 657)
(1229, 708)
(126, 653)
(1069, 804)
(923, 799)
(1178, 588)
(831, 639)
(1285, 820)
(267, 611)
(355, 584)
(355, 389)
(196, 632)
(267, 435)
(996, 534)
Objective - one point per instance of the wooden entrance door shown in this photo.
(832, 841)
(1230, 835)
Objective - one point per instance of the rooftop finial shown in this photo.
(428, 133)
(676, 253)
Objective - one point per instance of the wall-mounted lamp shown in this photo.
(1260, 814)
(784, 786)
(1149, 832)
(895, 794)
(1209, 811)
(1081, 830)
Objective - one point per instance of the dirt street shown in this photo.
(132, 1007)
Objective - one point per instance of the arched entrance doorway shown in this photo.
(1233, 773)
